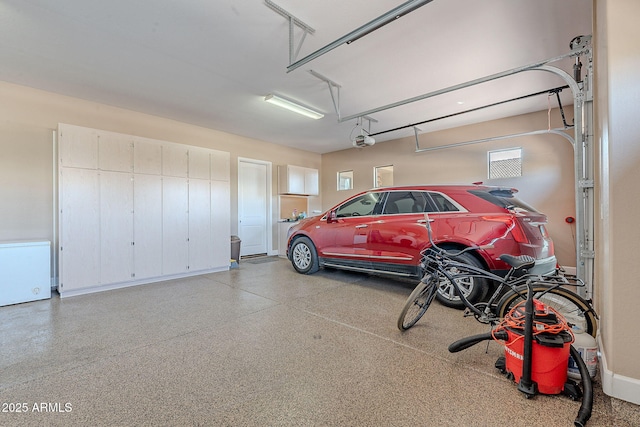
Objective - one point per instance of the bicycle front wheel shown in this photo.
(575, 309)
(418, 302)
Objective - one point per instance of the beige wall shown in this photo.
(28, 119)
(547, 182)
(617, 234)
(26, 185)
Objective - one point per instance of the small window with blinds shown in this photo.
(505, 163)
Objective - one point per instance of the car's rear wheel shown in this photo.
(304, 256)
(473, 288)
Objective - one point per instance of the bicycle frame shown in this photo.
(440, 261)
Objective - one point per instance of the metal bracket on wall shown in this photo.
(293, 21)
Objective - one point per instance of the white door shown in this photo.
(252, 207)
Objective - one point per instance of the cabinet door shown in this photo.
(221, 223)
(116, 227)
(200, 239)
(115, 152)
(79, 229)
(175, 160)
(199, 164)
(311, 182)
(175, 225)
(78, 147)
(296, 179)
(147, 226)
(147, 157)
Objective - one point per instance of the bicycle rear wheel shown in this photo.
(418, 302)
(575, 309)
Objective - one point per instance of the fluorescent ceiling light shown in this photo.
(292, 106)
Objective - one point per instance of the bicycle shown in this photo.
(441, 269)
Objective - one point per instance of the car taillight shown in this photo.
(513, 226)
(518, 233)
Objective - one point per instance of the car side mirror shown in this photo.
(332, 217)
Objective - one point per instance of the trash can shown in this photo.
(235, 248)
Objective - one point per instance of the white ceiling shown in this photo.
(210, 63)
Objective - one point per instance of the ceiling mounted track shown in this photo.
(535, 66)
(367, 28)
(559, 131)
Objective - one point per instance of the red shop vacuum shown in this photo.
(537, 344)
(548, 350)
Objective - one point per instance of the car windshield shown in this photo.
(504, 198)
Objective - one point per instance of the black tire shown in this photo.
(418, 302)
(304, 256)
(473, 288)
(572, 306)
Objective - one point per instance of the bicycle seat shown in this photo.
(518, 262)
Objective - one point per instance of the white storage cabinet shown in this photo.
(298, 180)
(25, 271)
(135, 210)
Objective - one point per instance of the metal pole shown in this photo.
(558, 131)
(370, 26)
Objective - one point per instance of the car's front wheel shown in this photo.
(304, 256)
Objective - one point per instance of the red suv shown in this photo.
(383, 230)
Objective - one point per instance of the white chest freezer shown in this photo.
(25, 271)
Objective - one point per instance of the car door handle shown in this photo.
(362, 226)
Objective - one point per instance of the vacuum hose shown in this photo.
(584, 413)
(467, 342)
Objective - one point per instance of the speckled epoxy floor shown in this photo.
(260, 346)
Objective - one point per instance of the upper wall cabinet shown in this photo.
(115, 152)
(147, 157)
(175, 160)
(199, 163)
(79, 147)
(297, 180)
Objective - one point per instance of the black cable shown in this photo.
(548, 91)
